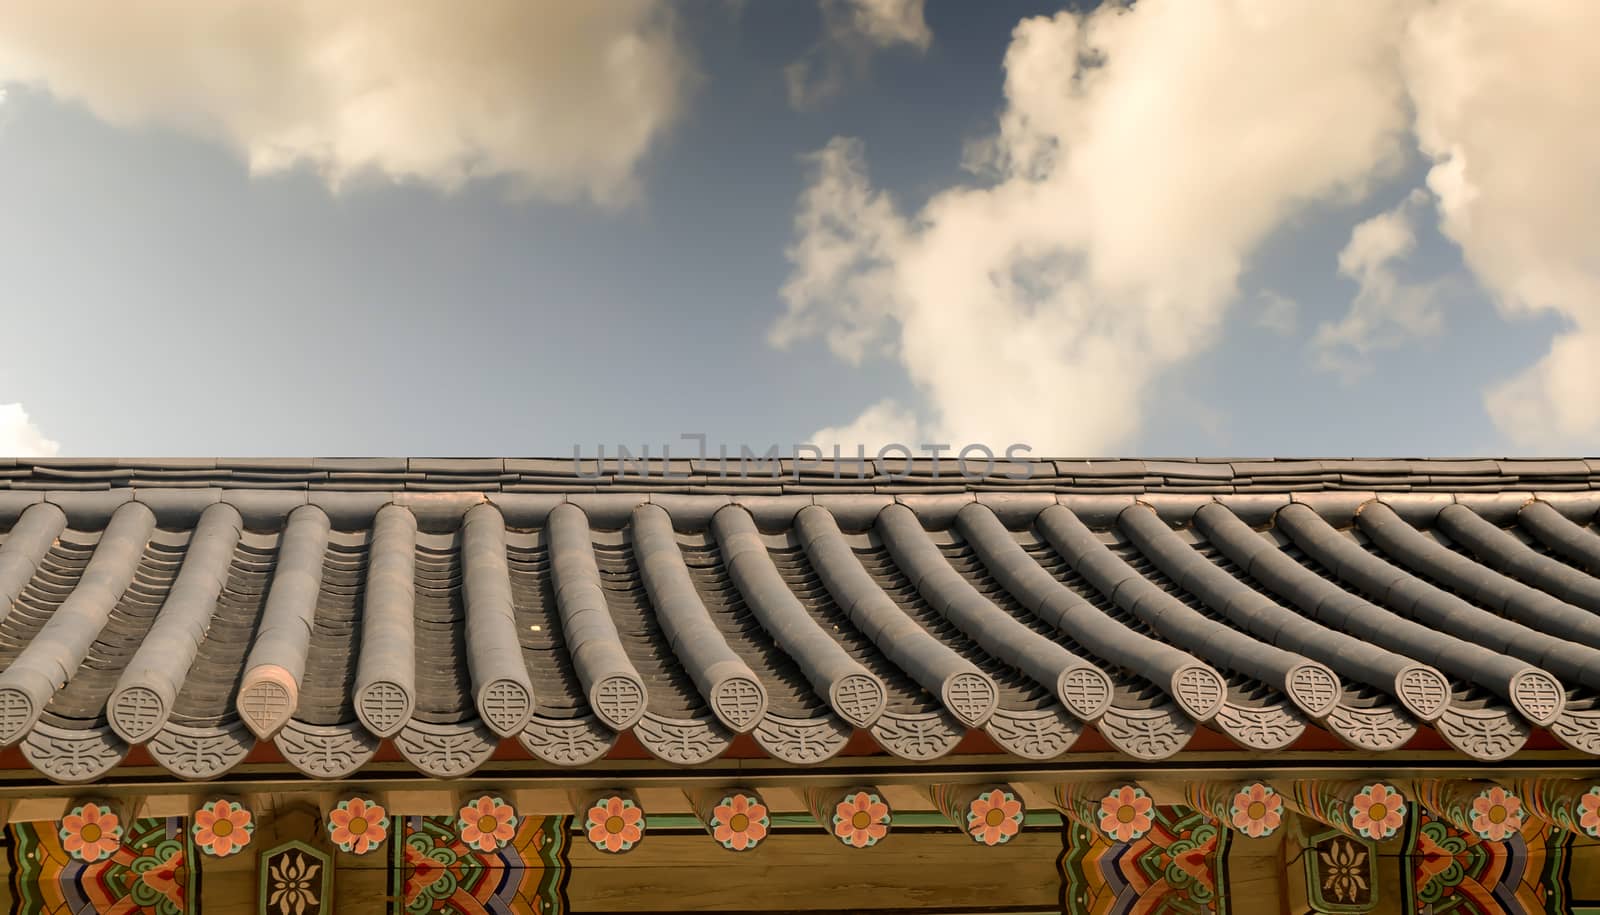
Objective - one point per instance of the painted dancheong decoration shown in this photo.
(1180, 858)
(1253, 809)
(1485, 809)
(92, 830)
(858, 816)
(1571, 804)
(1340, 873)
(990, 814)
(1374, 810)
(486, 822)
(223, 827)
(295, 879)
(613, 821)
(1121, 811)
(434, 871)
(358, 825)
(738, 819)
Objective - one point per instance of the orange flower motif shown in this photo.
(358, 825)
(861, 819)
(1125, 813)
(90, 832)
(616, 824)
(222, 827)
(487, 823)
(1257, 811)
(1378, 811)
(1496, 813)
(739, 822)
(993, 818)
(1589, 812)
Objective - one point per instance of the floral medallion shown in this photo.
(994, 817)
(1589, 812)
(1496, 813)
(358, 825)
(861, 819)
(739, 821)
(222, 827)
(90, 832)
(1125, 813)
(1257, 811)
(616, 824)
(1378, 811)
(486, 823)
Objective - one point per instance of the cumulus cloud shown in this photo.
(1143, 154)
(852, 31)
(562, 98)
(886, 422)
(20, 437)
(1507, 112)
(1386, 311)
(847, 239)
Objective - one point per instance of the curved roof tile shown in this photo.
(450, 621)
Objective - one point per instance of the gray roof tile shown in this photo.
(688, 614)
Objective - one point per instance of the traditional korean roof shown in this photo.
(194, 608)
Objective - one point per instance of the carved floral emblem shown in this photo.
(1125, 813)
(1257, 811)
(358, 825)
(222, 827)
(994, 817)
(1589, 812)
(90, 832)
(739, 822)
(486, 823)
(861, 819)
(1496, 813)
(1378, 811)
(616, 824)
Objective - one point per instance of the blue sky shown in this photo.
(161, 296)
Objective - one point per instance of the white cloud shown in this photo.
(20, 437)
(846, 239)
(563, 98)
(885, 422)
(1144, 153)
(888, 22)
(1386, 311)
(1277, 312)
(852, 31)
(1507, 110)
